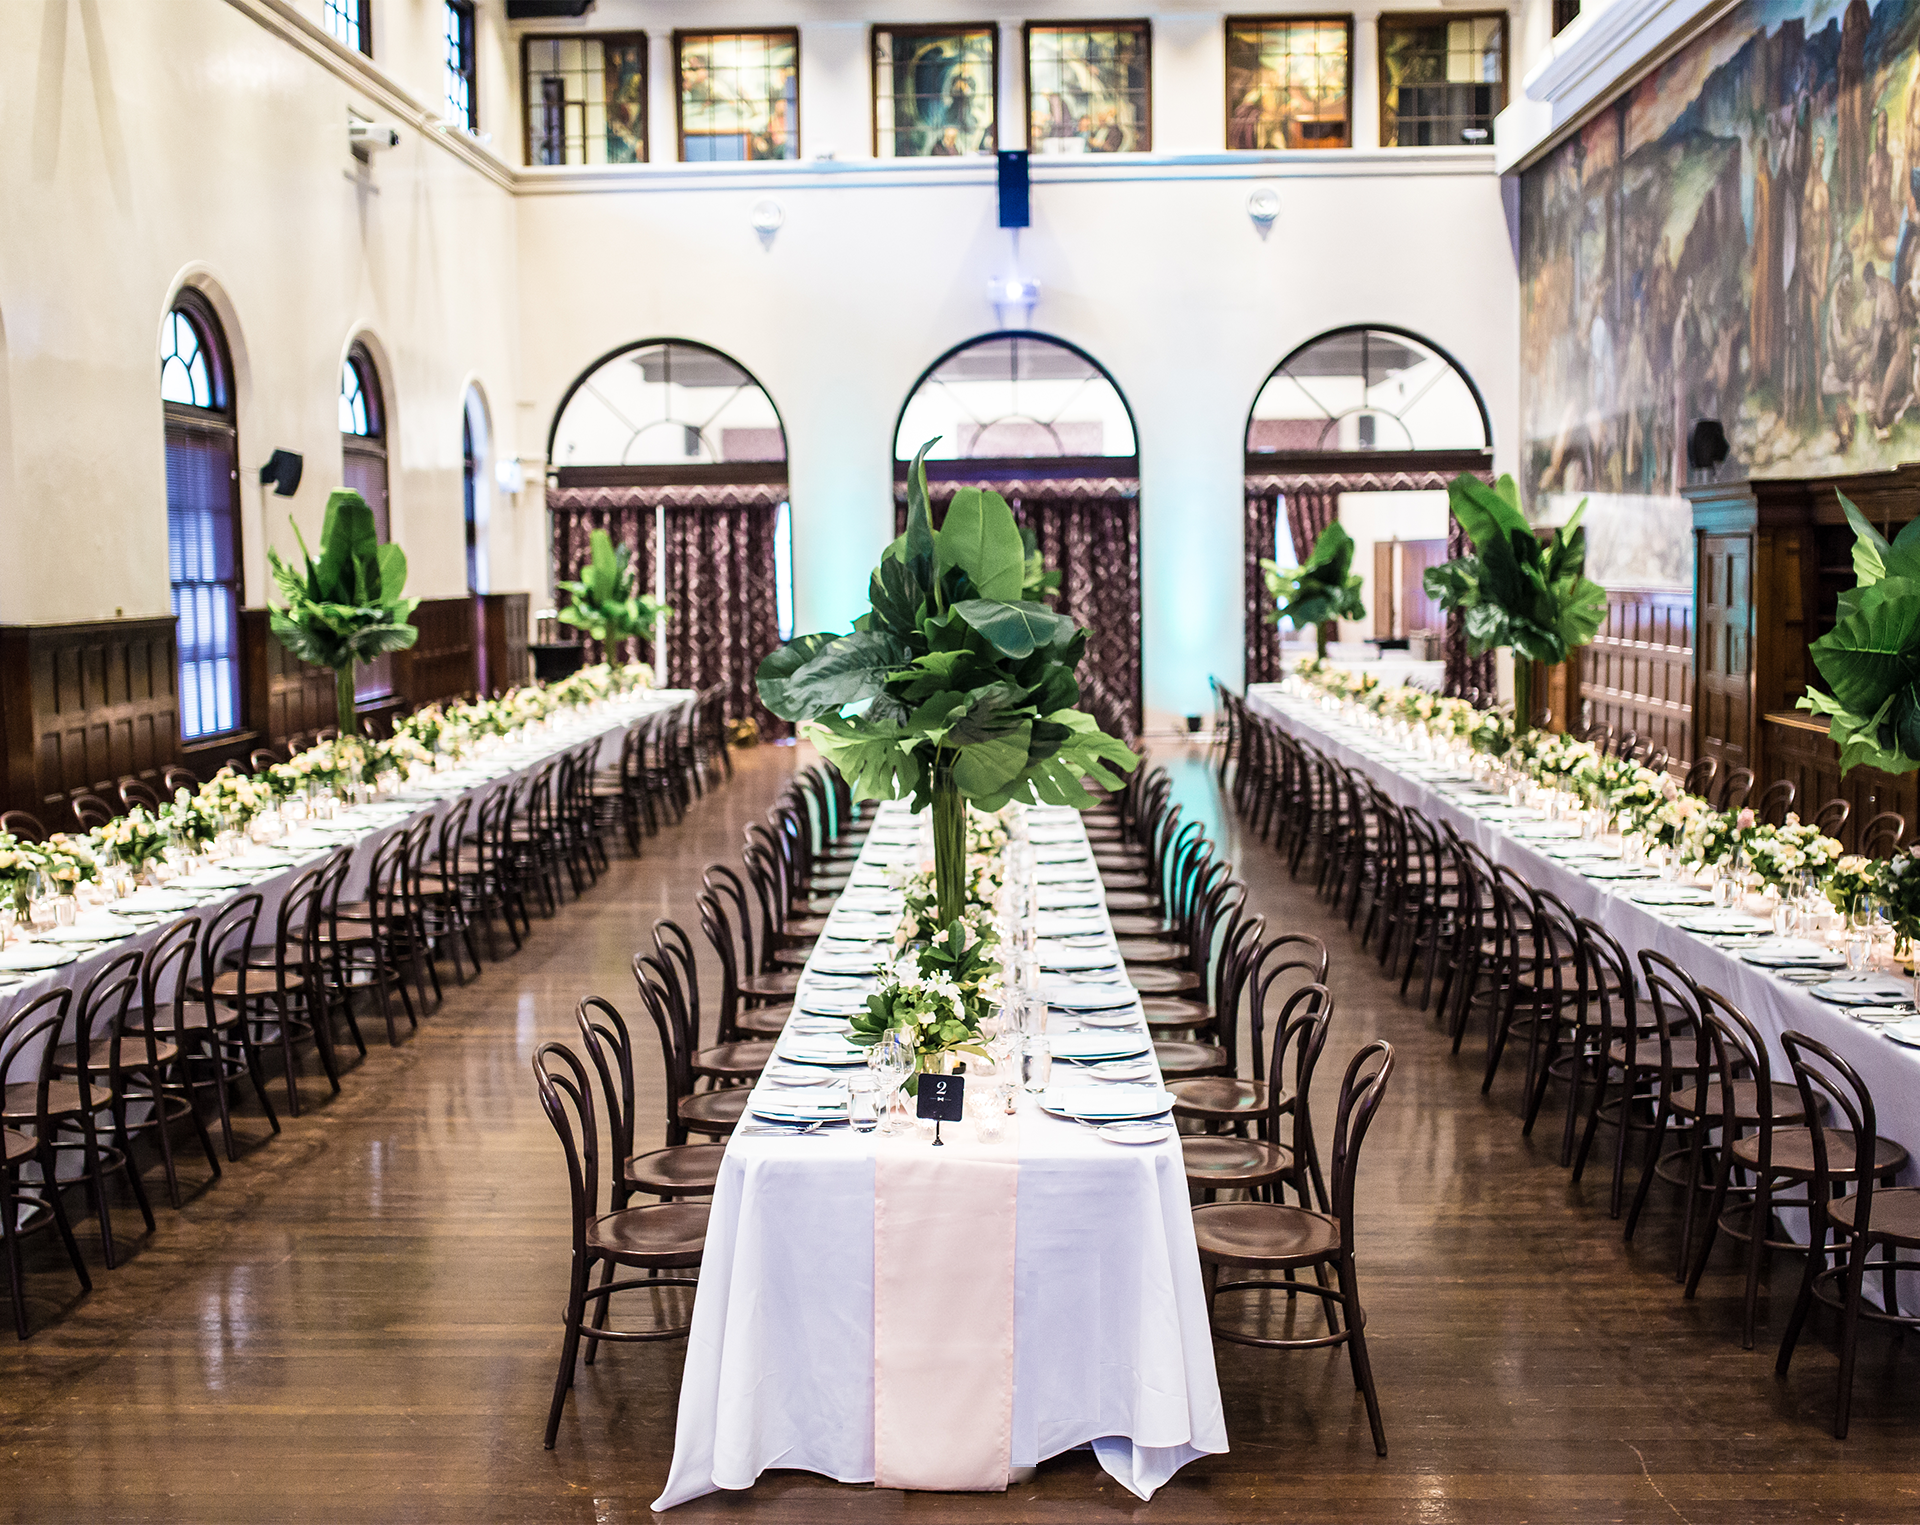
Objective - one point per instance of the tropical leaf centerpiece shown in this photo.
(1517, 590)
(959, 688)
(1871, 658)
(347, 607)
(604, 601)
(1320, 590)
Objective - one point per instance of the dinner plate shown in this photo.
(1671, 894)
(1068, 897)
(1866, 990)
(1720, 923)
(1793, 953)
(1059, 852)
(1118, 1016)
(1069, 995)
(1881, 1016)
(793, 1107)
(865, 899)
(1106, 1103)
(91, 932)
(1546, 831)
(820, 1048)
(1907, 1034)
(1082, 1046)
(1577, 852)
(1136, 1131)
(1618, 870)
(1090, 923)
(833, 1003)
(156, 902)
(1075, 960)
(30, 956)
(829, 961)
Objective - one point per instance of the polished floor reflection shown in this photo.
(361, 1321)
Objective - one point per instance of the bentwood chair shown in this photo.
(1734, 792)
(664, 1240)
(1264, 1237)
(679, 1169)
(26, 1078)
(711, 1114)
(24, 825)
(133, 792)
(1263, 1165)
(1776, 802)
(91, 811)
(1700, 776)
(175, 778)
(1272, 971)
(1882, 835)
(1876, 1219)
(1831, 818)
(731, 1059)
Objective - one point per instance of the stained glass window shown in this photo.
(1088, 88)
(184, 373)
(739, 95)
(462, 107)
(933, 91)
(586, 99)
(1287, 83)
(350, 23)
(203, 523)
(1442, 79)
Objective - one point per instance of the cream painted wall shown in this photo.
(151, 142)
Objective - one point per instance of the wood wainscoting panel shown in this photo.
(1795, 746)
(1638, 671)
(442, 663)
(87, 705)
(1723, 693)
(506, 626)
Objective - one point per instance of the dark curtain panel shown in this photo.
(1466, 677)
(1310, 509)
(1263, 636)
(1089, 530)
(719, 564)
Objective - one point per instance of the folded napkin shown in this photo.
(1866, 990)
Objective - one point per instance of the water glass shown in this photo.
(66, 909)
(1036, 1063)
(863, 1102)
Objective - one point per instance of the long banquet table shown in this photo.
(270, 873)
(1110, 1340)
(1891, 1070)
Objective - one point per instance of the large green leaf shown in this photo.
(1870, 549)
(877, 761)
(993, 712)
(917, 548)
(985, 769)
(979, 537)
(1485, 513)
(897, 595)
(845, 671)
(1583, 610)
(1015, 629)
(1875, 651)
(776, 672)
(1857, 737)
(1453, 584)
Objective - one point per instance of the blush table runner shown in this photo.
(1108, 1336)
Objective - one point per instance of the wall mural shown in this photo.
(1738, 238)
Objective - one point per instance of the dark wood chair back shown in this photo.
(24, 825)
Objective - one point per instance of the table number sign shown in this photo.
(942, 1098)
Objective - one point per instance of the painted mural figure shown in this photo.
(1738, 238)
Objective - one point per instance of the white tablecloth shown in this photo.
(605, 726)
(1111, 1342)
(1892, 1072)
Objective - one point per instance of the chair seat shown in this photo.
(133, 1054)
(1163, 981)
(1221, 1162)
(1218, 1098)
(1179, 1058)
(779, 983)
(19, 1146)
(1126, 880)
(1130, 900)
(714, 1111)
(725, 1060)
(805, 926)
(1137, 950)
(1263, 1235)
(63, 1100)
(1646, 1054)
(1793, 1152)
(1895, 1216)
(667, 1236)
(1134, 924)
(226, 985)
(1746, 1102)
(793, 958)
(767, 1021)
(678, 1170)
(1175, 1012)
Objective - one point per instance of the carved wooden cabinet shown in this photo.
(1772, 557)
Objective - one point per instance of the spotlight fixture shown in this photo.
(1013, 299)
(1263, 205)
(371, 137)
(283, 471)
(767, 216)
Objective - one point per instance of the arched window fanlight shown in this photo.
(359, 396)
(1016, 397)
(1358, 389)
(669, 403)
(187, 371)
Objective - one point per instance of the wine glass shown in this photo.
(891, 1062)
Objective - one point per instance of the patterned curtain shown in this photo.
(1089, 530)
(1466, 677)
(1263, 636)
(719, 564)
(1309, 511)
(719, 576)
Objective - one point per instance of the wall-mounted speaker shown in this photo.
(1013, 187)
(283, 471)
(1706, 444)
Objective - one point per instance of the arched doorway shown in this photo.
(1364, 409)
(1042, 424)
(678, 452)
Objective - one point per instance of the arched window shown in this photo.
(1361, 410)
(203, 514)
(678, 452)
(363, 452)
(1042, 423)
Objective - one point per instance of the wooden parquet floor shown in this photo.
(361, 1321)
